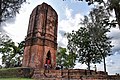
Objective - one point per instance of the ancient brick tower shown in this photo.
(41, 40)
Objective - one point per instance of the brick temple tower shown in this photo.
(41, 40)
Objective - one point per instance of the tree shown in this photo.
(11, 54)
(91, 42)
(114, 5)
(9, 8)
(100, 20)
(67, 60)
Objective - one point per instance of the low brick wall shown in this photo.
(76, 74)
(114, 77)
(16, 72)
(72, 74)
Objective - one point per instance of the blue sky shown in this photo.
(69, 14)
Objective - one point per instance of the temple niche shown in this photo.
(41, 41)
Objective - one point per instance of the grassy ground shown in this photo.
(15, 79)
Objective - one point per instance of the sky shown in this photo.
(70, 13)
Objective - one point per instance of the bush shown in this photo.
(16, 72)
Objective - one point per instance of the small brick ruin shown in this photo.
(41, 46)
(73, 74)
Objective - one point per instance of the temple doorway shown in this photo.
(48, 60)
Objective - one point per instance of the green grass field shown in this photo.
(15, 79)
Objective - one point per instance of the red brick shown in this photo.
(41, 37)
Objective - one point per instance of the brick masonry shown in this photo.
(73, 74)
(41, 40)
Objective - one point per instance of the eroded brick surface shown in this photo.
(73, 74)
(41, 37)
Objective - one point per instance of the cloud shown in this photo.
(80, 66)
(115, 34)
(69, 23)
(109, 61)
(68, 13)
(11, 20)
(2, 30)
(113, 65)
(18, 30)
(62, 32)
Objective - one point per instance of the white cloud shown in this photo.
(80, 66)
(115, 34)
(113, 65)
(68, 13)
(18, 30)
(71, 22)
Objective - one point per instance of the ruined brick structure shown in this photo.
(73, 74)
(41, 47)
(41, 40)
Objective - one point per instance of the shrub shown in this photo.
(16, 72)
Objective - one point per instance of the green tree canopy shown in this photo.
(11, 53)
(67, 60)
(9, 8)
(91, 42)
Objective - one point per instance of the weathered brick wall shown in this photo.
(72, 74)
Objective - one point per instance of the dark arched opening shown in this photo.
(48, 61)
(48, 58)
